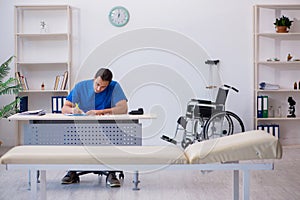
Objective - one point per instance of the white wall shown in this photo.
(222, 28)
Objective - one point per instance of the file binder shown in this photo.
(265, 107)
(271, 129)
(276, 131)
(23, 104)
(259, 106)
(260, 127)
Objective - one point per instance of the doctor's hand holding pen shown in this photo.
(77, 110)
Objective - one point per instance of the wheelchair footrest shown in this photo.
(168, 139)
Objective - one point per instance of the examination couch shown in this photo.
(236, 153)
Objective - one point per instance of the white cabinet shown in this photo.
(271, 50)
(43, 51)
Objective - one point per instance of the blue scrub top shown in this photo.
(83, 93)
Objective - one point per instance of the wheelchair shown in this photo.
(205, 120)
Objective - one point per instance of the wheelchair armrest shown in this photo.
(201, 101)
(218, 106)
(197, 100)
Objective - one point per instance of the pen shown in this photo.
(77, 107)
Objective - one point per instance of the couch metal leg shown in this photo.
(43, 184)
(246, 184)
(33, 184)
(236, 184)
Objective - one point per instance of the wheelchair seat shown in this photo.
(199, 109)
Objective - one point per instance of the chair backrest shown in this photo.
(221, 96)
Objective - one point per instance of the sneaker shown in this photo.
(112, 180)
(70, 177)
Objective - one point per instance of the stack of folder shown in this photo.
(58, 103)
(273, 129)
(262, 107)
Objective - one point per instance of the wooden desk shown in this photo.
(60, 129)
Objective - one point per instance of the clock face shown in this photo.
(119, 16)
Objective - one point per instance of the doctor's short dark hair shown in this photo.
(105, 74)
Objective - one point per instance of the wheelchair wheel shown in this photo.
(222, 124)
(238, 125)
(218, 125)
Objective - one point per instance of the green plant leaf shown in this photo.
(8, 87)
(10, 109)
(4, 68)
(283, 21)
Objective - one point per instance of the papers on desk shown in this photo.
(76, 114)
(33, 112)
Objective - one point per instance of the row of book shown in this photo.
(273, 129)
(59, 84)
(262, 106)
(22, 81)
(61, 81)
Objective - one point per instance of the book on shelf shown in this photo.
(18, 77)
(65, 80)
(56, 82)
(22, 80)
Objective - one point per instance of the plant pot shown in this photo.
(281, 29)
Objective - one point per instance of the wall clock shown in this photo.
(118, 16)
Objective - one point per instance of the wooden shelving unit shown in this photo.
(43, 50)
(270, 45)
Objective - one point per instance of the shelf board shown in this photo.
(277, 63)
(42, 35)
(278, 119)
(277, 91)
(279, 6)
(42, 7)
(42, 63)
(278, 34)
(287, 36)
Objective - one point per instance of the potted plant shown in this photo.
(283, 24)
(9, 86)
